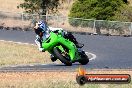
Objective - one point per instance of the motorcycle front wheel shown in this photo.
(62, 58)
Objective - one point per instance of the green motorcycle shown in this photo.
(64, 50)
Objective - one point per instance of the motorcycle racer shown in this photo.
(43, 32)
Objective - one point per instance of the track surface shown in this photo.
(111, 51)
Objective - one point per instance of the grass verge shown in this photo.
(14, 54)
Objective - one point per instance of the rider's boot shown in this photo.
(53, 58)
(79, 45)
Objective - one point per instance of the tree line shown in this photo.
(113, 10)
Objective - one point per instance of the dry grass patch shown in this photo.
(10, 5)
(13, 54)
(55, 80)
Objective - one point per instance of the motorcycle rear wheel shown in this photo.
(84, 59)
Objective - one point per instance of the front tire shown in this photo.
(61, 57)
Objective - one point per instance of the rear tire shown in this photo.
(61, 57)
(84, 59)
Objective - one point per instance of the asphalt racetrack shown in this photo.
(112, 52)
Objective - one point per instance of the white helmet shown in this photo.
(42, 25)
